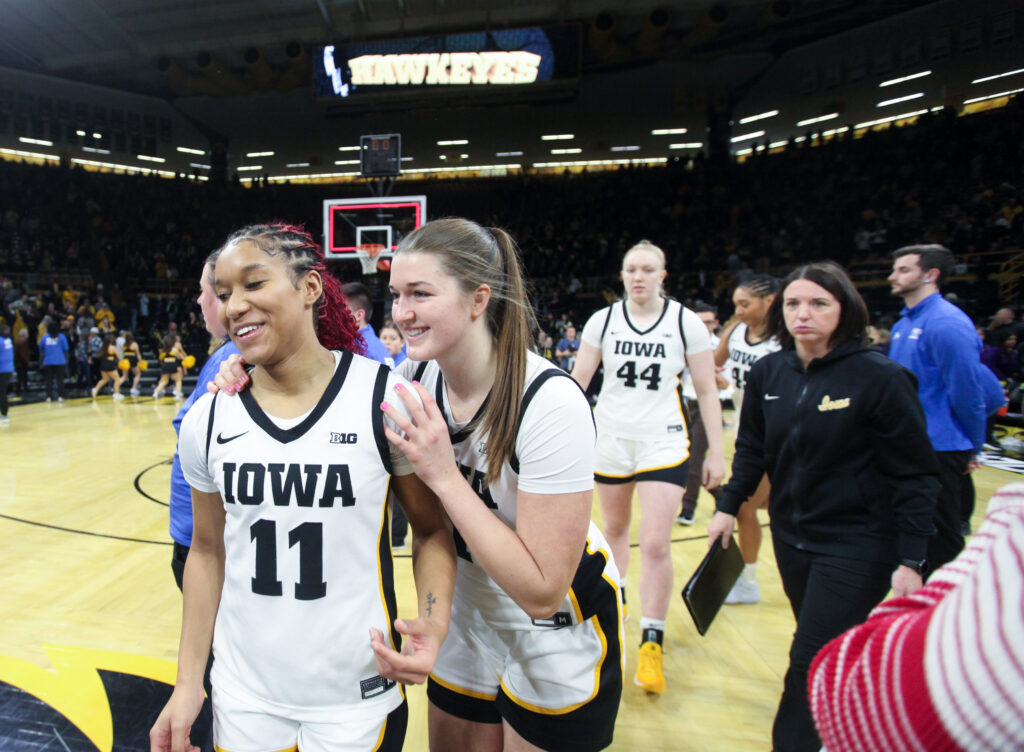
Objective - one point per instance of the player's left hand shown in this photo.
(420, 645)
(905, 581)
(425, 443)
(972, 465)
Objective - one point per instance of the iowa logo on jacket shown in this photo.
(827, 403)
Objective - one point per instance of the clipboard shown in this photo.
(707, 589)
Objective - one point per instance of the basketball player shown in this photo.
(108, 369)
(533, 658)
(289, 551)
(744, 342)
(645, 343)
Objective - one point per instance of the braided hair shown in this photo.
(335, 327)
(761, 285)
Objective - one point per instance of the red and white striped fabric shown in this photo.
(942, 669)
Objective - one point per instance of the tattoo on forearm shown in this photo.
(431, 600)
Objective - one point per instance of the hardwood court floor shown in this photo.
(91, 616)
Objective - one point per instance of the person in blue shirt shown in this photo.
(181, 492)
(567, 348)
(394, 342)
(361, 306)
(938, 342)
(53, 354)
(6, 369)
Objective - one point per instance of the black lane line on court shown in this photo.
(138, 479)
(84, 532)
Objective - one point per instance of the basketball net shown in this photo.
(368, 254)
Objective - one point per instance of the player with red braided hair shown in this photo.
(335, 327)
(290, 481)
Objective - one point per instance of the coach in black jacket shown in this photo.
(841, 433)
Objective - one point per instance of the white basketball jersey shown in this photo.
(308, 568)
(742, 355)
(554, 454)
(641, 395)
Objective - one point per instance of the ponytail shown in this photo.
(513, 324)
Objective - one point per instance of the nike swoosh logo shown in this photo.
(222, 440)
(771, 396)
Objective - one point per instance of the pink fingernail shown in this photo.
(229, 390)
(399, 387)
(238, 386)
(416, 383)
(384, 405)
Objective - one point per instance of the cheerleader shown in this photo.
(108, 368)
(172, 354)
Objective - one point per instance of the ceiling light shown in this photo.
(95, 150)
(453, 142)
(79, 133)
(199, 166)
(186, 150)
(907, 98)
(668, 131)
(250, 167)
(687, 145)
(625, 148)
(558, 137)
(998, 75)
(880, 121)
(32, 154)
(260, 154)
(36, 141)
(819, 119)
(746, 137)
(300, 164)
(566, 151)
(762, 116)
(993, 96)
(347, 148)
(900, 80)
(147, 158)
(346, 161)
(509, 154)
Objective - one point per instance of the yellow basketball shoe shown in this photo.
(649, 675)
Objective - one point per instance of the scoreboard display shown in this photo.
(380, 156)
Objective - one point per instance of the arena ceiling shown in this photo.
(240, 68)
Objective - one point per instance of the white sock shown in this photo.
(749, 572)
(648, 623)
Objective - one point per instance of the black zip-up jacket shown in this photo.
(846, 449)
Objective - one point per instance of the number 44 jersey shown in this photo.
(641, 394)
(308, 567)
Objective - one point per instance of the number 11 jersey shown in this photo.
(308, 566)
(641, 394)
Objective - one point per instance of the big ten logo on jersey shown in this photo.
(344, 438)
(291, 484)
(477, 480)
(629, 371)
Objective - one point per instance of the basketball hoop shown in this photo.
(368, 254)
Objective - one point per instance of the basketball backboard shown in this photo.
(353, 222)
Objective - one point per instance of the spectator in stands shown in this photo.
(1002, 357)
(567, 348)
(939, 670)
(1002, 322)
(937, 342)
(361, 306)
